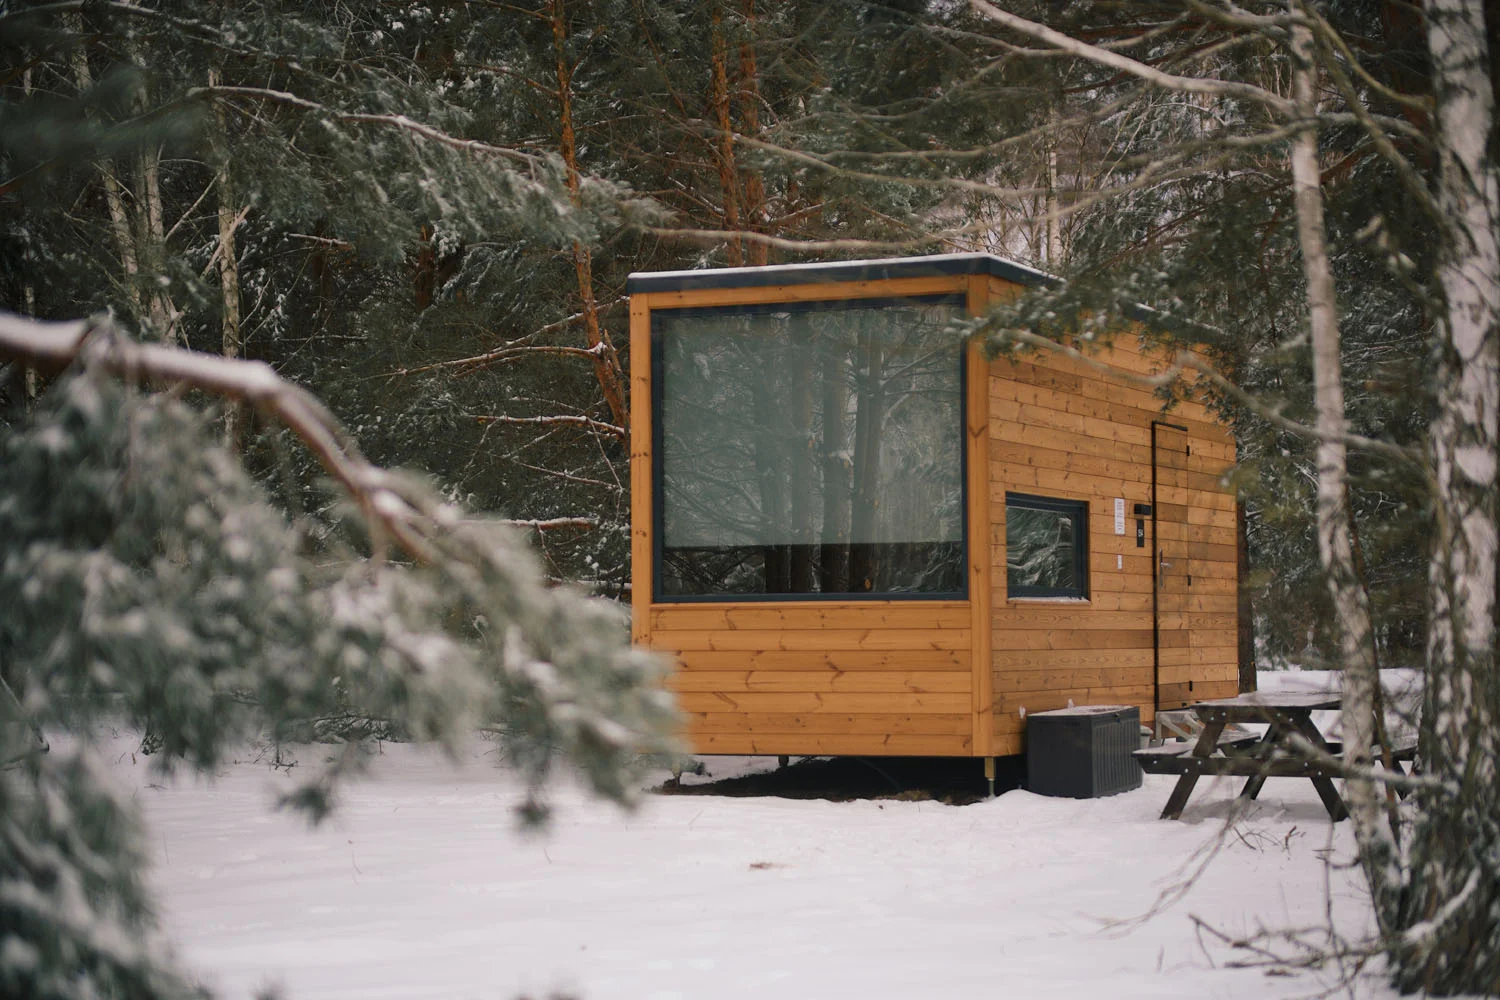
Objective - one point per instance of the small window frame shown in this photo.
(1078, 512)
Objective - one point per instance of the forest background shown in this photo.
(424, 213)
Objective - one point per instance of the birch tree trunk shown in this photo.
(1361, 679)
(229, 266)
(114, 199)
(1451, 911)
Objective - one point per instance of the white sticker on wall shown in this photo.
(1119, 515)
(1119, 562)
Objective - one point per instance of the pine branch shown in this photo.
(389, 510)
(400, 122)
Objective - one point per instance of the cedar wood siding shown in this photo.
(1066, 428)
(950, 677)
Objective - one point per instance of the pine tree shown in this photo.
(276, 182)
(152, 581)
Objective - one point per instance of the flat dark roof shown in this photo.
(843, 270)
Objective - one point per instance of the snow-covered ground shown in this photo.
(420, 886)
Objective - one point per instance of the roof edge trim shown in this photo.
(836, 271)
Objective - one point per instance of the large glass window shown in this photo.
(1046, 547)
(810, 449)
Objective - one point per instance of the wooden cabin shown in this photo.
(857, 536)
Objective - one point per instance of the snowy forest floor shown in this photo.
(421, 886)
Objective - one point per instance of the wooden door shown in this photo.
(1173, 582)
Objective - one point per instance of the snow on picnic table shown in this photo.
(420, 886)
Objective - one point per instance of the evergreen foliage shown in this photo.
(151, 581)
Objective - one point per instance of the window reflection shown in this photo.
(810, 449)
(1046, 547)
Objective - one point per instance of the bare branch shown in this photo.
(1134, 67)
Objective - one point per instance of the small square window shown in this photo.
(1046, 547)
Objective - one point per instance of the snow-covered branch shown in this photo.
(1134, 67)
(561, 420)
(99, 343)
(400, 122)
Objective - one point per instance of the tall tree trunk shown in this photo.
(28, 289)
(1361, 679)
(869, 424)
(114, 198)
(606, 359)
(833, 561)
(1451, 912)
(1054, 218)
(755, 189)
(229, 264)
(719, 103)
(800, 570)
(160, 309)
(151, 231)
(1245, 607)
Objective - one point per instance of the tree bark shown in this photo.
(1451, 913)
(1335, 528)
(755, 188)
(1245, 607)
(114, 199)
(229, 266)
(869, 427)
(607, 368)
(719, 104)
(833, 561)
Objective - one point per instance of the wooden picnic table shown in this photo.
(1285, 714)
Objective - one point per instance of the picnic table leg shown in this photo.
(1208, 742)
(1261, 751)
(1178, 799)
(1332, 801)
(1402, 791)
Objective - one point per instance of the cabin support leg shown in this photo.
(989, 774)
(783, 760)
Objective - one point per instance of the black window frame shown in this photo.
(1078, 510)
(658, 514)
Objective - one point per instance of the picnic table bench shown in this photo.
(1286, 715)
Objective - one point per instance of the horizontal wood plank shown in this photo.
(830, 660)
(797, 703)
(864, 681)
(814, 745)
(1013, 660)
(815, 640)
(819, 615)
(829, 723)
